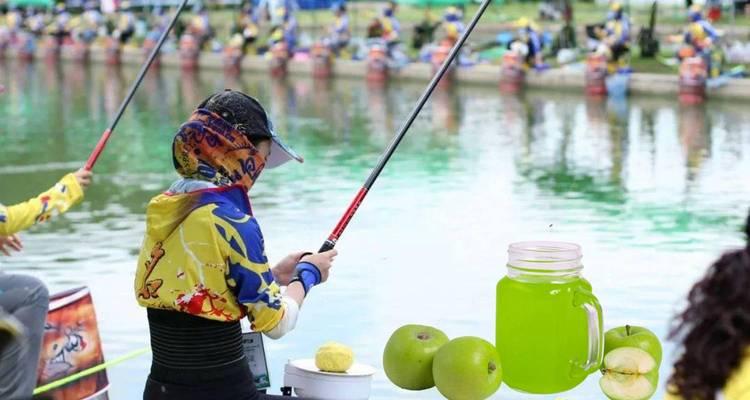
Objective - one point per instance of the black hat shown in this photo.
(248, 116)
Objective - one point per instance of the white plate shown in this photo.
(357, 369)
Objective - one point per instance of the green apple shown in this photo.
(407, 358)
(629, 374)
(633, 336)
(467, 368)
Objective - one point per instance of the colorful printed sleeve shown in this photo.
(249, 275)
(56, 200)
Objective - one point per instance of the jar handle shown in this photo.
(586, 300)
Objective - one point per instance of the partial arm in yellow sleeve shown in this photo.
(65, 194)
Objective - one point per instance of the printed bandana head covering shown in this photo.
(208, 148)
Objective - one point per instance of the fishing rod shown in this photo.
(108, 132)
(330, 243)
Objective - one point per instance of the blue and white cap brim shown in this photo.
(280, 152)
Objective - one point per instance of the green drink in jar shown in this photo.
(548, 323)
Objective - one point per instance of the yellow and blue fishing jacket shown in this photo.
(56, 200)
(204, 255)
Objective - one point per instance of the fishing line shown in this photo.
(90, 371)
(330, 243)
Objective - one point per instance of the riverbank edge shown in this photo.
(559, 78)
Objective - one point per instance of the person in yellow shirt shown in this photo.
(203, 266)
(24, 299)
(452, 25)
(714, 333)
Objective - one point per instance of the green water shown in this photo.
(652, 191)
(542, 333)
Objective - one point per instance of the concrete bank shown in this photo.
(565, 79)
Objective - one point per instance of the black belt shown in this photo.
(194, 351)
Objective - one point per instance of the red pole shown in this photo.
(108, 132)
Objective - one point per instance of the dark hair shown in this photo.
(714, 328)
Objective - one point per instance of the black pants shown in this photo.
(242, 391)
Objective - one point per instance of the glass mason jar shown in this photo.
(549, 323)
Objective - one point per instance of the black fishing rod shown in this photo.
(330, 243)
(108, 132)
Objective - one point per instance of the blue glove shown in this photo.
(307, 274)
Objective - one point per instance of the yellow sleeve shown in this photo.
(738, 387)
(56, 200)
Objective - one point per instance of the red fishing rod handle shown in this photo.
(330, 243)
(98, 150)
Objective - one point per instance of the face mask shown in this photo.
(208, 148)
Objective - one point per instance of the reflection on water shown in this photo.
(652, 190)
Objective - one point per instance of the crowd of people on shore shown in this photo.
(257, 29)
(254, 30)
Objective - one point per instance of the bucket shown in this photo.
(377, 64)
(189, 52)
(322, 61)
(693, 76)
(309, 382)
(596, 75)
(71, 344)
(436, 60)
(512, 74)
(112, 52)
(279, 60)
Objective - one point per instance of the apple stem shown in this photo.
(627, 330)
(491, 367)
(423, 336)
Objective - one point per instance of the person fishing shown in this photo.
(200, 26)
(58, 28)
(700, 37)
(24, 299)
(424, 32)
(35, 22)
(125, 24)
(340, 33)
(286, 32)
(390, 26)
(157, 23)
(92, 22)
(247, 27)
(529, 43)
(714, 332)
(614, 38)
(14, 20)
(452, 25)
(202, 267)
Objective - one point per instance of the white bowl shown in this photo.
(309, 382)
